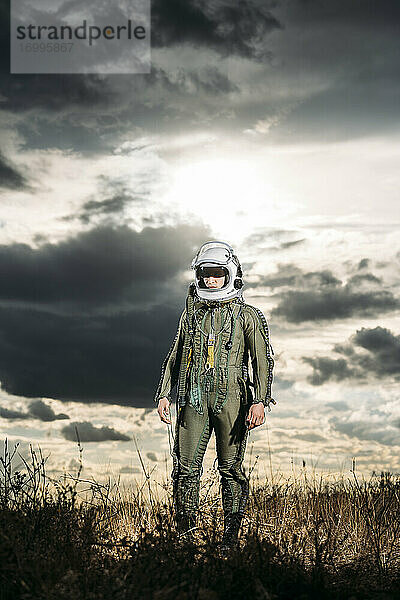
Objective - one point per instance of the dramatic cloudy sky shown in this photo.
(273, 125)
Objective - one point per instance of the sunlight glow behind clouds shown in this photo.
(229, 194)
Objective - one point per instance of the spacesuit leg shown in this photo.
(231, 434)
(192, 435)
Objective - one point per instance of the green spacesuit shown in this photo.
(208, 360)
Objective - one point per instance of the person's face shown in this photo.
(213, 277)
(214, 282)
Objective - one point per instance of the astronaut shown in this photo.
(209, 362)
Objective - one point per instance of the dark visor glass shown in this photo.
(211, 272)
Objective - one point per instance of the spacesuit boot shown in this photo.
(185, 525)
(186, 499)
(231, 531)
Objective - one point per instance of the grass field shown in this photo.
(303, 536)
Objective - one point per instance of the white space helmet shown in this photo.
(221, 259)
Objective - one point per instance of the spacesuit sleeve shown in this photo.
(257, 339)
(171, 364)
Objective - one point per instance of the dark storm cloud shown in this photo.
(383, 433)
(320, 295)
(326, 368)
(184, 84)
(139, 103)
(37, 410)
(370, 354)
(226, 27)
(207, 79)
(89, 433)
(297, 307)
(352, 48)
(150, 103)
(283, 384)
(335, 75)
(364, 263)
(10, 177)
(365, 277)
(285, 245)
(118, 197)
(51, 92)
(54, 92)
(273, 240)
(5, 413)
(383, 351)
(90, 111)
(57, 339)
(112, 359)
(64, 110)
(97, 266)
(274, 281)
(109, 206)
(289, 275)
(334, 113)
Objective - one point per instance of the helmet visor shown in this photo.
(211, 272)
(204, 272)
